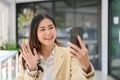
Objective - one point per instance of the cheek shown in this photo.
(39, 35)
(55, 33)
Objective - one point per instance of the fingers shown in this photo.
(35, 52)
(28, 49)
(75, 47)
(21, 52)
(74, 52)
(24, 48)
(23, 55)
(81, 42)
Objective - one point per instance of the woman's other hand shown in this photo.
(30, 58)
(81, 54)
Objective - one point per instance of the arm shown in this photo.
(77, 72)
(31, 62)
(81, 58)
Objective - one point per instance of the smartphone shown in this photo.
(73, 35)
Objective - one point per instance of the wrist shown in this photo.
(87, 69)
(32, 68)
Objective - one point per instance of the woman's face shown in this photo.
(46, 32)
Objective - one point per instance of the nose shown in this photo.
(48, 32)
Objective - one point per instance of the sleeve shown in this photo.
(22, 74)
(90, 73)
(76, 73)
(32, 73)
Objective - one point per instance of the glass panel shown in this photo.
(64, 18)
(79, 19)
(78, 14)
(44, 7)
(115, 37)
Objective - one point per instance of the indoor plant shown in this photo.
(8, 46)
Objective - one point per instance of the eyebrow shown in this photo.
(47, 26)
(50, 25)
(41, 27)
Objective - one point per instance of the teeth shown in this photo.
(48, 38)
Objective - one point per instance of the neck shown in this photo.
(46, 51)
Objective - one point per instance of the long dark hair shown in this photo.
(33, 39)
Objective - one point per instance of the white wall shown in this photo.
(12, 23)
(7, 21)
(4, 16)
(104, 33)
(0, 24)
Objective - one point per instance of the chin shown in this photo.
(49, 43)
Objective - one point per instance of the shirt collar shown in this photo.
(51, 54)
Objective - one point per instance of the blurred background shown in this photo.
(99, 20)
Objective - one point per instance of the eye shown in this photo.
(42, 29)
(51, 27)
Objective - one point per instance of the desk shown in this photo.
(8, 55)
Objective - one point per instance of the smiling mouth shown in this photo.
(49, 38)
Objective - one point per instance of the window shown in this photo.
(114, 38)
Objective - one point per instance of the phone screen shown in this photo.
(73, 35)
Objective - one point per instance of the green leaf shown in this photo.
(9, 46)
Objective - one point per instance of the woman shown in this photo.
(43, 58)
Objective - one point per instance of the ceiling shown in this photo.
(22, 1)
(68, 2)
(79, 3)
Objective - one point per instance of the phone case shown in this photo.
(73, 35)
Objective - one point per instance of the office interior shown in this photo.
(99, 20)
